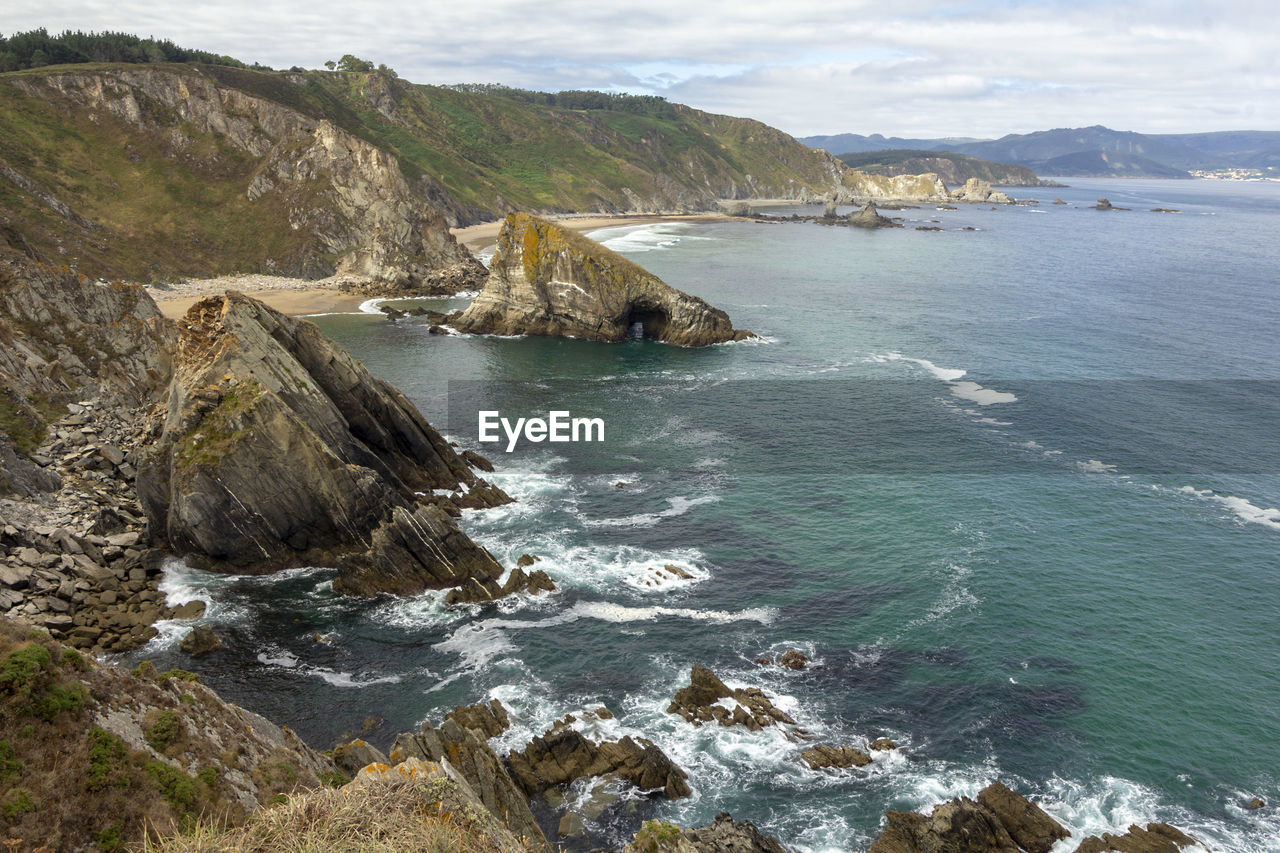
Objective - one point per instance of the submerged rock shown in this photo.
(823, 757)
(549, 280)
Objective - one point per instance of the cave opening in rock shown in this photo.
(646, 322)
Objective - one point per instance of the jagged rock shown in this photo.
(527, 560)
(1028, 825)
(475, 460)
(793, 659)
(958, 826)
(549, 280)
(700, 703)
(1255, 804)
(1103, 204)
(823, 757)
(563, 754)
(868, 217)
(1156, 838)
(490, 720)
(280, 449)
(1001, 821)
(188, 610)
(829, 209)
(200, 640)
(475, 591)
(470, 754)
(882, 744)
(571, 825)
(353, 757)
(722, 836)
(741, 208)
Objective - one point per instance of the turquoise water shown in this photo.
(1061, 574)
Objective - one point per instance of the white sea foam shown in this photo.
(631, 239)
(1243, 509)
(1096, 466)
(370, 306)
(284, 659)
(966, 390)
(679, 505)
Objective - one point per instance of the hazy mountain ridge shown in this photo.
(1062, 151)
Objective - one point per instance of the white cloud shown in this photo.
(915, 67)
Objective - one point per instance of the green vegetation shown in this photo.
(16, 803)
(10, 765)
(954, 169)
(108, 760)
(163, 730)
(111, 838)
(37, 48)
(180, 674)
(218, 431)
(655, 835)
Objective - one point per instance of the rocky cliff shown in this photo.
(859, 187)
(278, 448)
(219, 180)
(549, 280)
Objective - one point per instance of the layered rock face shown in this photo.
(980, 191)
(325, 201)
(278, 448)
(858, 187)
(548, 280)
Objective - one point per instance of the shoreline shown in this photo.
(300, 297)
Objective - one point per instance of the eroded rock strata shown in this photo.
(278, 448)
(549, 280)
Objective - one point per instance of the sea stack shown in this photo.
(548, 280)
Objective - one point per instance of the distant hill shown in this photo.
(1096, 151)
(954, 169)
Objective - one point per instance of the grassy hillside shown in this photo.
(954, 169)
(157, 192)
(492, 150)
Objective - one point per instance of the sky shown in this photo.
(916, 68)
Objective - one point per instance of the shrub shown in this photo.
(164, 731)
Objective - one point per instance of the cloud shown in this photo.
(915, 67)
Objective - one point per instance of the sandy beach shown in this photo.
(298, 297)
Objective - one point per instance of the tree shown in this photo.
(354, 63)
(331, 65)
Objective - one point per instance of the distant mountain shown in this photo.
(1096, 150)
(954, 169)
(853, 143)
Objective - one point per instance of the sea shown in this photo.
(1010, 485)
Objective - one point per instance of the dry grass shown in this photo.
(431, 817)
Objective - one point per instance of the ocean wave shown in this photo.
(965, 390)
(1243, 509)
(679, 505)
(279, 658)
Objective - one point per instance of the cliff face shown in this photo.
(219, 180)
(278, 448)
(548, 280)
(861, 187)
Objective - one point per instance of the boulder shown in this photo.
(549, 280)
(977, 190)
(823, 757)
(200, 640)
(279, 449)
(527, 560)
(700, 703)
(882, 744)
(793, 659)
(1255, 804)
(1103, 204)
(722, 836)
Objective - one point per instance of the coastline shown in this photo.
(299, 297)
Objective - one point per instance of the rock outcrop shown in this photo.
(979, 191)
(859, 187)
(700, 703)
(278, 448)
(467, 752)
(869, 217)
(548, 280)
(564, 754)
(1003, 821)
(824, 757)
(723, 836)
(478, 591)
